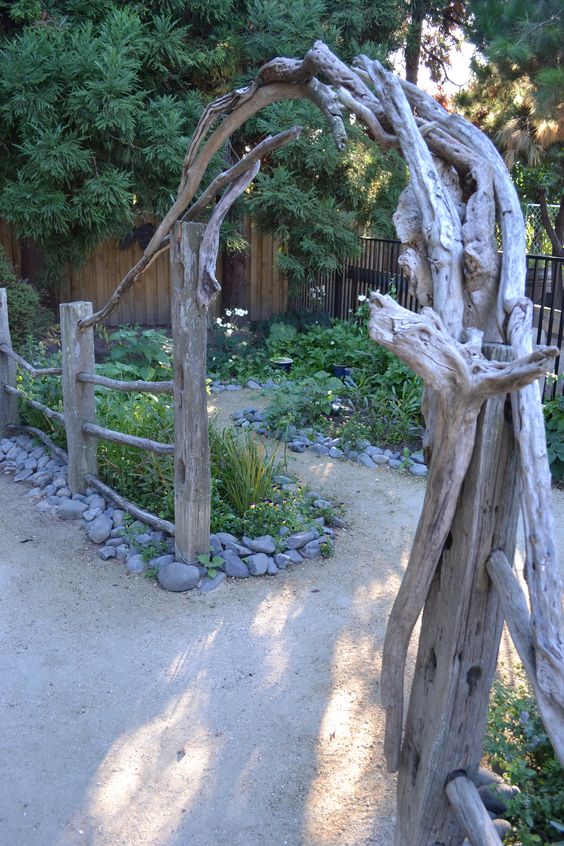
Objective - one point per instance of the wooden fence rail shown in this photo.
(78, 382)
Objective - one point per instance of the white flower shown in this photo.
(240, 312)
(362, 298)
(228, 312)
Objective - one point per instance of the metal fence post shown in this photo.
(77, 348)
(192, 481)
(8, 402)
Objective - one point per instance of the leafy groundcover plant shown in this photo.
(516, 746)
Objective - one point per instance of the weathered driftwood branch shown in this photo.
(102, 433)
(262, 149)
(127, 387)
(35, 371)
(48, 412)
(41, 436)
(139, 513)
(460, 381)
(469, 808)
(519, 623)
(440, 222)
(208, 286)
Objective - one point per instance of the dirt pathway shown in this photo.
(250, 717)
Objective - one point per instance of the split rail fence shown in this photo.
(79, 381)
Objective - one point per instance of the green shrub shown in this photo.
(516, 746)
(554, 425)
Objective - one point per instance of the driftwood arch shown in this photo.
(472, 346)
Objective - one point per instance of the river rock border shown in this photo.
(105, 526)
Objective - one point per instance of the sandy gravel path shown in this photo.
(250, 717)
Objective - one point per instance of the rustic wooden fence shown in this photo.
(79, 379)
(149, 302)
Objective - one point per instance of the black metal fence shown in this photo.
(377, 269)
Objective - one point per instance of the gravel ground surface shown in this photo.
(135, 717)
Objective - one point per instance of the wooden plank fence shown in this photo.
(149, 301)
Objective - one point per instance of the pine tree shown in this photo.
(98, 100)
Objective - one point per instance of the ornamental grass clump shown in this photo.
(243, 468)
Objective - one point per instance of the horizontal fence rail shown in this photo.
(377, 268)
(77, 348)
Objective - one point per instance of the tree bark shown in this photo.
(459, 640)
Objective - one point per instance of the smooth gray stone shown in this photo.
(238, 414)
(113, 542)
(300, 539)
(134, 563)
(215, 545)
(55, 500)
(365, 460)
(118, 517)
(107, 552)
(294, 556)
(41, 478)
(59, 482)
(23, 475)
(362, 444)
(47, 508)
(253, 385)
(234, 387)
(496, 796)
(160, 561)
(69, 509)
(226, 537)
(92, 513)
(178, 576)
(320, 449)
(297, 446)
(35, 493)
(122, 551)
(352, 454)
(311, 549)
(503, 827)
(418, 470)
(30, 464)
(272, 568)
(234, 566)
(80, 498)
(373, 450)
(485, 776)
(395, 463)
(379, 458)
(418, 457)
(96, 501)
(238, 549)
(263, 544)
(257, 564)
(158, 536)
(282, 560)
(118, 532)
(334, 452)
(143, 538)
(321, 503)
(100, 528)
(65, 492)
(38, 452)
(41, 462)
(210, 584)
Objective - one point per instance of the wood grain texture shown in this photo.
(192, 481)
(8, 402)
(77, 350)
(471, 813)
(459, 639)
(102, 433)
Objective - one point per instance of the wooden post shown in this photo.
(192, 480)
(8, 402)
(459, 640)
(77, 348)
